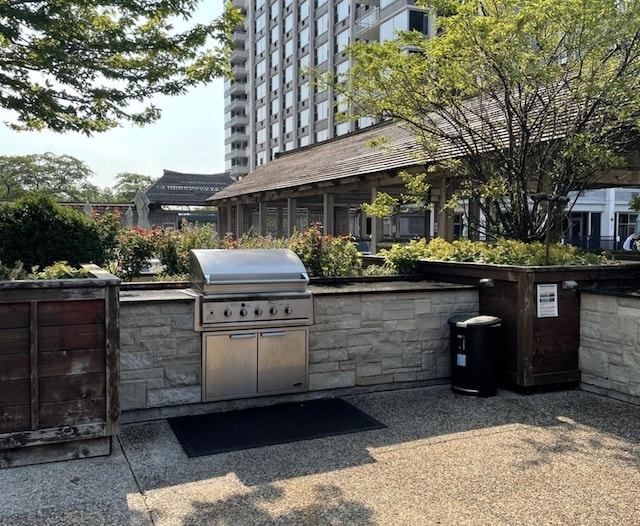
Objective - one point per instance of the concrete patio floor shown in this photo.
(566, 458)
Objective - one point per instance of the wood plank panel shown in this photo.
(14, 315)
(80, 361)
(76, 387)
(14, 340)
(14, 366)
(70, 312)
(72, 412)
(54, 338)
(14, 418)
(15, 392)
(54, 434)
(64, 450)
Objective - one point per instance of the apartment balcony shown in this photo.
(236, 88)
(367, 23)
(239, 72)
(237, 172)
(239, 56)
(236, 137)
(236, 104)
(237, 120)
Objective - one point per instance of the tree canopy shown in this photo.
(128, 184)
(86, 66)
(62, 177)
(512, 98)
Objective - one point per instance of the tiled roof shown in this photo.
(175, 188)
(332, 160)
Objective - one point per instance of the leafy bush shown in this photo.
(39, 232)
(60, 270)
(13, 273)
(404, 258)
(134, 250)
(325, 256)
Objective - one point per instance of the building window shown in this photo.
(261, 90)
(275, 81)
(288, 124)
(389, 28)
(342, 10)
(261, 68)
(419, 21)
(275, 107)
(303, 118)
(303, 37)
(322, 53)
(303, 92)
(261, 45)
(261, 113)
(261, 136)
(288, 22)
(342, 40)
(261, 23)
(303, 10)
(288, 48)
(275, 34)
(322, 110)
(275, 10)
(288, 100)
(322, 24)
(322, 135)
(288, 74)
(275, 58)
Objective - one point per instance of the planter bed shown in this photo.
(58, 368)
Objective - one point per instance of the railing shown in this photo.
(594, 242)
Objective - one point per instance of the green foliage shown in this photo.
(325, 256)
(38, 232)
(97, 61)
(60, 270)
(134, 250)
(506, 76)
(62, 177)
(634, 203)
(128, 184)
(15, 272)
(404, 258)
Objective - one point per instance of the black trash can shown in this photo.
(474, 348)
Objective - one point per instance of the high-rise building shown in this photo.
(271, 106)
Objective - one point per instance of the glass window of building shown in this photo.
(261, 22)
(288, 99)
(322, 135)
(261, 90)
(261, 158)
(275, 34)
(322, 24)
(342, 10)
(288, 22)
(261, 68)
(303, 140)
(419, 21)
(260, 3)
(303, 118)
(342, 40)
(274, 82)
(275, 130)
(322, 53)
(322, 110)
(303, 37)
(261, 45)
(275, 107)
(261, 113)
(320, 2)
(385, 3)
(288, 48)
(388, 28)
(261, 136)
(275, 9)
(287, 3)
(303, 10)
(288, 146)
(288, 124)
(288, 73)
(275, 58)
(303, 92)
(342, 128)
(342, 67)
(304, 61)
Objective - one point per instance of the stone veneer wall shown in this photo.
(361, 339)
(610, 345)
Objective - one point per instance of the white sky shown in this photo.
(188, 138)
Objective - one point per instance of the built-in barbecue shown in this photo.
(254, 311)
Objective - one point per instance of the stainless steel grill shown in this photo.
(253, 309)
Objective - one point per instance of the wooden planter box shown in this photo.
(536, 351)
(58, 368)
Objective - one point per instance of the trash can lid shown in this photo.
(474, 320)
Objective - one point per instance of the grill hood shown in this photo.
(246, 270)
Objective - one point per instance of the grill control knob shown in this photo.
(273, 310)
(227, 312)
(258, 311)
(243, 311)
(288, 309)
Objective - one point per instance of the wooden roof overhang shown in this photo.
(176, 188)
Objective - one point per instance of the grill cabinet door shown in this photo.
(282, 360)
(230, 364)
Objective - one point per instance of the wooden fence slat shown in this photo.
(15, 366)
(15, 418)
(53, 338)
(77, 361)
(71, 312)
(76, 387)
(14, 340)
(72, 412)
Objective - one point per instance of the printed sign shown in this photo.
(548, 300)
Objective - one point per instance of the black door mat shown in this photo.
(214, 433)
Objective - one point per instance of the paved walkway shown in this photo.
(565, 458)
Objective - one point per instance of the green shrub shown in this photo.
(404, 258)
(134, 250)
(325, 256)
(60, 270)
(13, 273)
(39, 232)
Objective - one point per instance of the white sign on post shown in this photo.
(548, 300)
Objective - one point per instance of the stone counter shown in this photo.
(366, 336)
